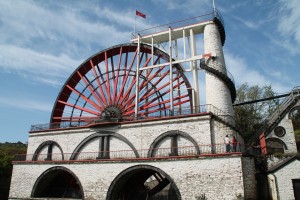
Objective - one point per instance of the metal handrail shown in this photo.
(184, 111)
(178, 24)
(275, 116)
(181, 151)
(227, 72)
(218, 15)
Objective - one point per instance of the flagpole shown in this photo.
(134, 24)
(214, 8)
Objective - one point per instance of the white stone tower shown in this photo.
(220, 91)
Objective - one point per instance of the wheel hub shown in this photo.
(112, 112)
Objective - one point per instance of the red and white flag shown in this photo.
(140, 14)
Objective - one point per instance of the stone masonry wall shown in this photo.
(249, 177)
(210, 176)
(284, 178)
(204, 130)
(141, 135)
(289, 137)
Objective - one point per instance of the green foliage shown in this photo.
(7, 152)
(249, 117)
(295, 115)
(297, 132)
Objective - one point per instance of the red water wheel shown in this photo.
(104, 85)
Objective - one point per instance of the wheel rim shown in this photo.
(105, 85)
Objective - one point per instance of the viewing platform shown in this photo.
(182, 152)
(161, 32)
(159, 115)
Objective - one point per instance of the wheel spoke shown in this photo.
(145, 107)
(131, 98)
(146, 82)
(85, 98)
(107, 79)
(117, 77)
(162, 109)
(80, 108)
(102, 96)
(157, 97)
(84, 79)
(121, 95)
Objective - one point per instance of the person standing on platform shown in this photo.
(227, 143)
(234, 143)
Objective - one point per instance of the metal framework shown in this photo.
(171, 36)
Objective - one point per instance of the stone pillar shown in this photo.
(217, 93)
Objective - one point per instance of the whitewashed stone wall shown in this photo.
(214, 177)
(284, 178)
(203, 129)
(289, 137)
(67, 139)
(193, 177)
(221, 130)
(141, 135)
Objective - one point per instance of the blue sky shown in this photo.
(43, 42)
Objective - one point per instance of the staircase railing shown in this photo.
(269, 123)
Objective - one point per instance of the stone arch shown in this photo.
(50, 145)
(141, 182)
(275, 145)
(57, 182)
(103, 134)
(171, 134)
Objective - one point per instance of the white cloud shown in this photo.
(188, 6)
(46, 42)
(242, 73)
(35, 65)
(289, 26)
(253, 24)
(25, 104)
(60, 26)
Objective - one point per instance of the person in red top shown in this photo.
(234, 143)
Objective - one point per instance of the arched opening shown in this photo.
(106, 143)
(143, 182)
(58, 182)
(275, 145)
(181, 144)
(48, 150)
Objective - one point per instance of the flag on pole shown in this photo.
(140, 14)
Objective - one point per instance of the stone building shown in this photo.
(280, 178)
(128, 124)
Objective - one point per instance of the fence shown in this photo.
(141, 154)
(177, 24)
(184, 111)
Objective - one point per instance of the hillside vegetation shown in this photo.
(7, 152)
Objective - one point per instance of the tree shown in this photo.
(249, 117)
